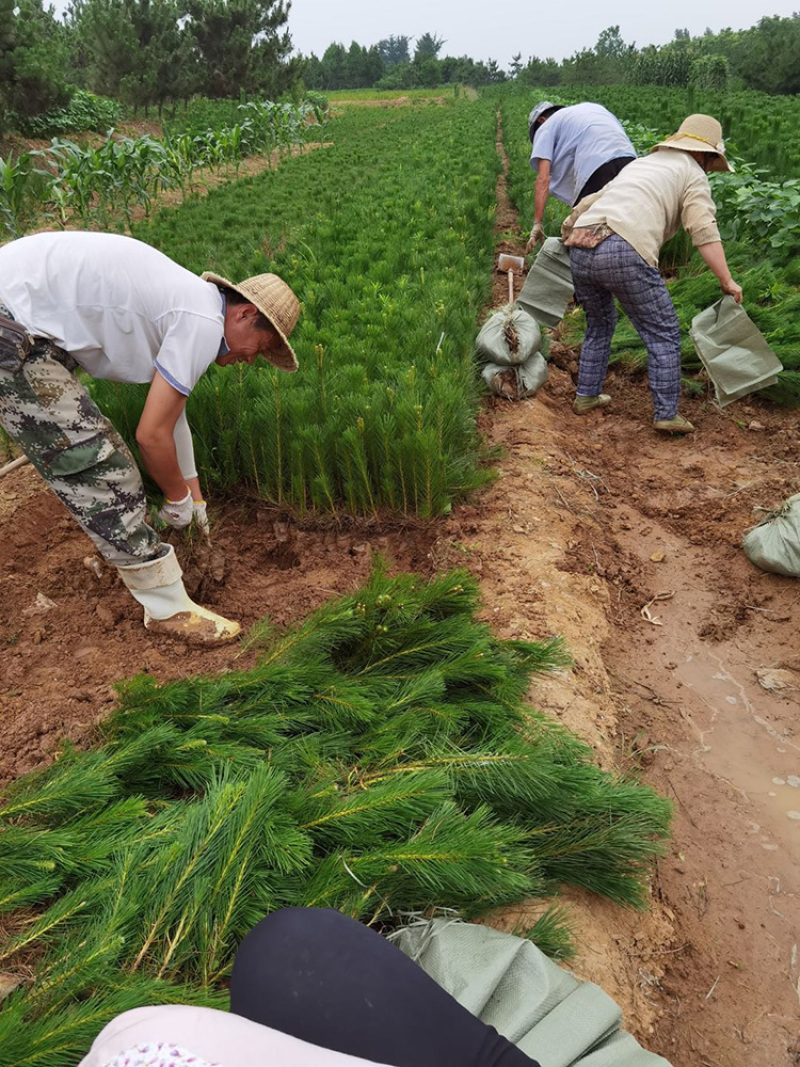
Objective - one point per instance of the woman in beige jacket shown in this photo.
(615, 237)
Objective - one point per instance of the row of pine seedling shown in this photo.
(387, 237)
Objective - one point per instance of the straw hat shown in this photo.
(699, 133)
(276, 301)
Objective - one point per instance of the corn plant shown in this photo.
(16, 179)
(82, 178)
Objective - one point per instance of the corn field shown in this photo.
(100, 186)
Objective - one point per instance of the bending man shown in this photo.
(576, 151)
(123, 311)
(614, 239)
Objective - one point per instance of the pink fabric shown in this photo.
(209, 1038)
(160, 1054)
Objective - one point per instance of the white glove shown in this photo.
(537, 235)
(200, 516)
(177, 513)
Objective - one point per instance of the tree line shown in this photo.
(147, 53)
(144, 53)
(390, 64)
(764, 57)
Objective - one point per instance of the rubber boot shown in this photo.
(158, 586)
(677, 424)
(584, 404)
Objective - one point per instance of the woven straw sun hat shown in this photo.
(699, 133)
(276, 301)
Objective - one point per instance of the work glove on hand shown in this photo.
(200, 516)
(178, 513)
(537, 235)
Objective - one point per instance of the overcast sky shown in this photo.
(499, 30)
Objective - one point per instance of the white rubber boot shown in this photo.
(158, 587)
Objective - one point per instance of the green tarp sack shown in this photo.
(548, 288)
(509, 336)
(733, 351)
(517, 382)
(511, 985)
(774, 545)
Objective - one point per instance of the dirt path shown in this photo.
(687, 666)
(592, 519)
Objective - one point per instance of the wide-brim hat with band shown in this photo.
(277, 303)
(699, 133)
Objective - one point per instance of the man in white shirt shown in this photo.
(125, 312)
(575, 151)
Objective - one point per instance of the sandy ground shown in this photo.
(590, 520)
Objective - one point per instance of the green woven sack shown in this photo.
(548, 288)
(509, 337)
(774, 545)
(518, 382)
(509, 984)
(735, 354)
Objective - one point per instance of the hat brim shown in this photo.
(283, 358)
(689, 144)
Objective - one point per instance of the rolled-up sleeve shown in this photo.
(699, 213)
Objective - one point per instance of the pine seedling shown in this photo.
(16, 894)
(552, 933)
(75, 783)
(367, 812)
(32, 854)
(224, 856)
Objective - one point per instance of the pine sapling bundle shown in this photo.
(380, 758)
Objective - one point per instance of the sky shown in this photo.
(499, 30)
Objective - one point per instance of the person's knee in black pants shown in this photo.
(321, 976)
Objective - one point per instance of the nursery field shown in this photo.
(581, 651)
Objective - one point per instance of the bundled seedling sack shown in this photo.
(733, 351)
(774, 545)
(548, 288)
(519, 382)
(511, 985)
(508, 337)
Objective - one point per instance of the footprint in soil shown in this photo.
(283, 557)
(203, 568)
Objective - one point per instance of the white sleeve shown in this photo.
(184, 449)
(189, 346)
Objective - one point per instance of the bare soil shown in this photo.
(686, 665)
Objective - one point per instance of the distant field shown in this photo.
(369, 96)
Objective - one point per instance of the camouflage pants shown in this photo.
(74, 447)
